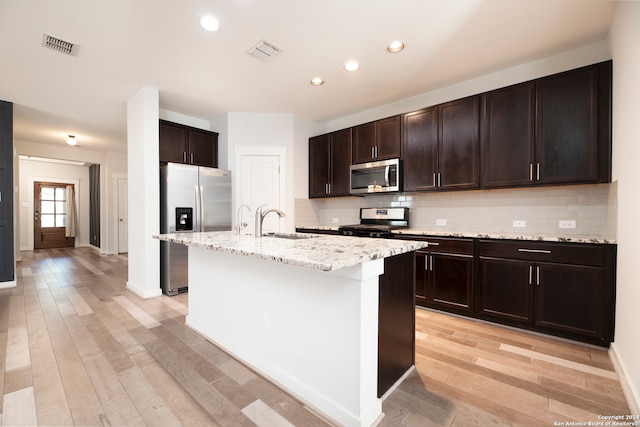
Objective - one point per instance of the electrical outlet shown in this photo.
(566, 224)
(335, 220)
(441, 222)
(519, 224)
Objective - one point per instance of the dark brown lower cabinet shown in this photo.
(396, 320)
(562, 289)
(444, 275)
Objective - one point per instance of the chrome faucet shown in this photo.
(260, 214)
(238, 225)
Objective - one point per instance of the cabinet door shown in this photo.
(504, 289)
(202, 148)
(340, 163)
(422, 276)
(567, 133)
(459, 144)
(508, 137)
(571, 298)
(451, 281)
(388, 138)
(319, 165)
(364, 137)
(420, 150)
(396, 320)
(172, 143)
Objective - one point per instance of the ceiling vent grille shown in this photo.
(57, 44)
(264, 51)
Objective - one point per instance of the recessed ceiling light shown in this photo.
(395, 46)
(351, 66)
(317, 81)
(71, 140)
(209, 23)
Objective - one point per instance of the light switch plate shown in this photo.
(566, 224)
(441, 222)
(519, 223)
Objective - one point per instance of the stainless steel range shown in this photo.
(377, 222)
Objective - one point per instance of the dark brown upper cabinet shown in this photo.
(554, 130)
(379, 140)
(441, 146)
(509, 136)
(185, 144)
(573, 132)
(329, 162)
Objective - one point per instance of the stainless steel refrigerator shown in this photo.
(192, 199)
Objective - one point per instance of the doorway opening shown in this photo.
(54, 216)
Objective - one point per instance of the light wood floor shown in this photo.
(77, 348)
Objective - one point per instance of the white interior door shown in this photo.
(123, 216)
(261, 183)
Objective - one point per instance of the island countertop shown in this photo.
(313, 251)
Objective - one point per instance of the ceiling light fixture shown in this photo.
(351, 66)
(395, 46)
(317, 81)
(209, 23)
(71, 140)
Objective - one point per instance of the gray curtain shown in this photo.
(94, 205)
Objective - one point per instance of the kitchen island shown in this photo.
(301, 309)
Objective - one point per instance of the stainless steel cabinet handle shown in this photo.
(537, 275)
(191, 161)
(373, 152)
(535, 251)
(329, 186)
(433, 243)
(431, 263)
(530, 171)
(538, 172)
(530, 274)
(434, 180)
(439, 179)
(184, 157)
(376, 147)
(326, 188)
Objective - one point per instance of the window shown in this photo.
(53, 205)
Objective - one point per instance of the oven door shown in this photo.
(376, 177)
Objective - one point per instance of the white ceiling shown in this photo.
(125, 44)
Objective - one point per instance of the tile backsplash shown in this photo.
(592, 207)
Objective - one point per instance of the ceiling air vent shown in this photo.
(57, 44)
(263, 50)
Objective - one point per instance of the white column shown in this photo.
(144, 192)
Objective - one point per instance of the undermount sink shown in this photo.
(291, 236)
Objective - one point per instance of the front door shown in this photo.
(50, 216)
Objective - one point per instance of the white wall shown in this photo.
(262, 130)
(144, 192)
(31, 171)
(107, 162)
(586, 55)
(625, 44)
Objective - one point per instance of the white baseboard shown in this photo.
(629, 390)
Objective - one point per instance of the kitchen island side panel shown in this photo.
(312, 332)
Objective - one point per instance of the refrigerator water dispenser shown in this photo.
(184, 219)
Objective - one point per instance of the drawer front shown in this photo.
(448, 245)
(562, 253)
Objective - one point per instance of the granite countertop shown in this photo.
(313, 251)
(510, 236)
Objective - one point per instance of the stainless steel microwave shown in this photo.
(376, 177)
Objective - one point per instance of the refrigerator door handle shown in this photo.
(198, 221)
(201, 209)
